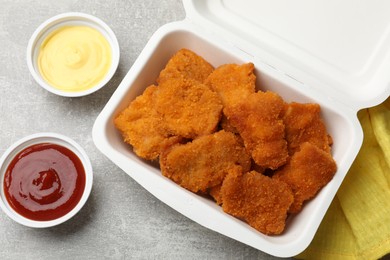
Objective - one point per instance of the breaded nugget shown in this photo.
(215, 192)
(307, 171)
(186, 64)
(258, 121)
(189, 109)
(234, 83)
(304, 124)
(204, 162)
(257, 199)
(261, 136)
(259, 169)
(226, 125)
(142, 127)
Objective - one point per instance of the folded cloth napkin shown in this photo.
(357, 224)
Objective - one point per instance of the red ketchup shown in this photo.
(44, 181)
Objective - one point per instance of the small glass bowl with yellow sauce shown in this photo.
(73, 54)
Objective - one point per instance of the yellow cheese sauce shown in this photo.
(74, 58)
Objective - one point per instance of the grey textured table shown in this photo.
(120, 219)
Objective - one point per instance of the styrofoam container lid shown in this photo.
(342, 48)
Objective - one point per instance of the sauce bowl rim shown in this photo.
(61, 20)
(45, 137)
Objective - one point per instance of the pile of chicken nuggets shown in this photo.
(215, 134)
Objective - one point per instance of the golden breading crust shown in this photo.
(186, 64)
(189, 109)
(304, 124)
(306, 173)
(257, 199)
(258, 121)
(226, 125)
(204, 162)
(233, 83)
(216, 135)
(215, 193)
(142, 127)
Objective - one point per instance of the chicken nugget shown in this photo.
(258, 121)
(142, 127)
(234, 83)
(307, 171)
(215, 192)
(304, 124)
(204, 162)
(257, 199)
(186, 64)
(189, 109)
(226, 125)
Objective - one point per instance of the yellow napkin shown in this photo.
(357, 224)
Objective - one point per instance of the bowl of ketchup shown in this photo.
(46, 178)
